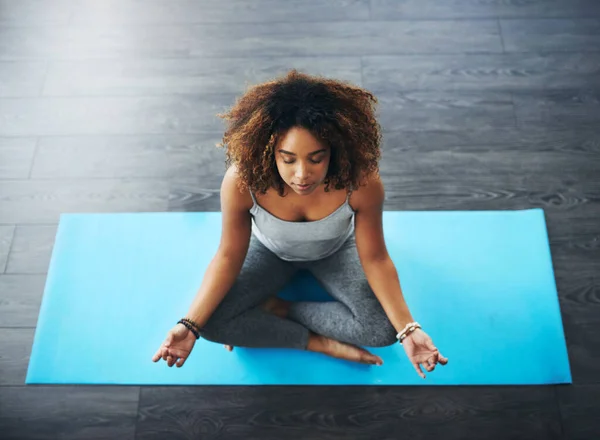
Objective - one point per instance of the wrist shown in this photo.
(190, 326)
(407, 330)
(192, 322)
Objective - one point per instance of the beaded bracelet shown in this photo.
(193, 323)
(190, 327)
(408, 329)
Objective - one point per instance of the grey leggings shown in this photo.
(356, 317)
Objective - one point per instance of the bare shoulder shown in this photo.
(232, 196)
(370, 195)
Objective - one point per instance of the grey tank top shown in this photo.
(303, 241)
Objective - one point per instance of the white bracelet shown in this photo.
(410, 327)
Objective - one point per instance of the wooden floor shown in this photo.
(109, 106)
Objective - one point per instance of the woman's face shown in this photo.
(302, 161)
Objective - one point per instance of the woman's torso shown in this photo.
(303, 228)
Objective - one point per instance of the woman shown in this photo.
(302, 191)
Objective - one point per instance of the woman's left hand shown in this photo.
(420, 350)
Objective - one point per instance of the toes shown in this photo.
(370, 358)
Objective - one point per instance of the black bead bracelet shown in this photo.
(190, 327)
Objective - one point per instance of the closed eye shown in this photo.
(311, 161)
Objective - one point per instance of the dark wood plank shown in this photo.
(157, 156)
(444, 110)
(575, 271)
(203, 11)
(583, 343)
(337, 412)
(15, 351)
(31, 249)
(184, 76)
(566, 109)
(575, 35)
(548, 8)
(346, 38)
(523, 170)
(42, 201)
(7, 233)
(415, 9)
(475, 194)
(32, 412)
(570, 230)
(574, 237)
(575, 242)
(489, 180)
(16, 156)
(522, 71)
(579, 410)
(33, 12)
(118, 115)
(411, 9)
(106, 412)
(68, 412)
(580, 142)
(192, 194)
(20, 298)
(250, 40)
(22, 78)
(579, 293)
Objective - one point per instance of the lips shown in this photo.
(303, 186)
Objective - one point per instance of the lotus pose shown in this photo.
(302, 191)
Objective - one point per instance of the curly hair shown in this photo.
(335, 112)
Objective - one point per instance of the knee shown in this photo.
(381, 333)
(378, 331)
(386, 334)
(214, 331)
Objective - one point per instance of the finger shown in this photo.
(165, 353)
(170, 361)
(419, 371)
(433, 360)
(443, 360)
(169, 340)
(180, 362)
(157, 355)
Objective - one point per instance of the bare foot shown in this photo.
(341, 350)
(274, 305)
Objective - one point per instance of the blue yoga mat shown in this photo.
(481, 283)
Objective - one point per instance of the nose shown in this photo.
(302, 172)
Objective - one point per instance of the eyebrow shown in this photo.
(322, 150)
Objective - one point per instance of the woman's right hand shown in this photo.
(176, 347)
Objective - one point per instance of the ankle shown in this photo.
(285, 307)
(316, 343)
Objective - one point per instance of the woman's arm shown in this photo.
(229, 258)
(379, 269)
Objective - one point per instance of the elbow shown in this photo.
(378, 261)
(232, 256)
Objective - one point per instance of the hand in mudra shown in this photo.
(176, 347)
(420, 350)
